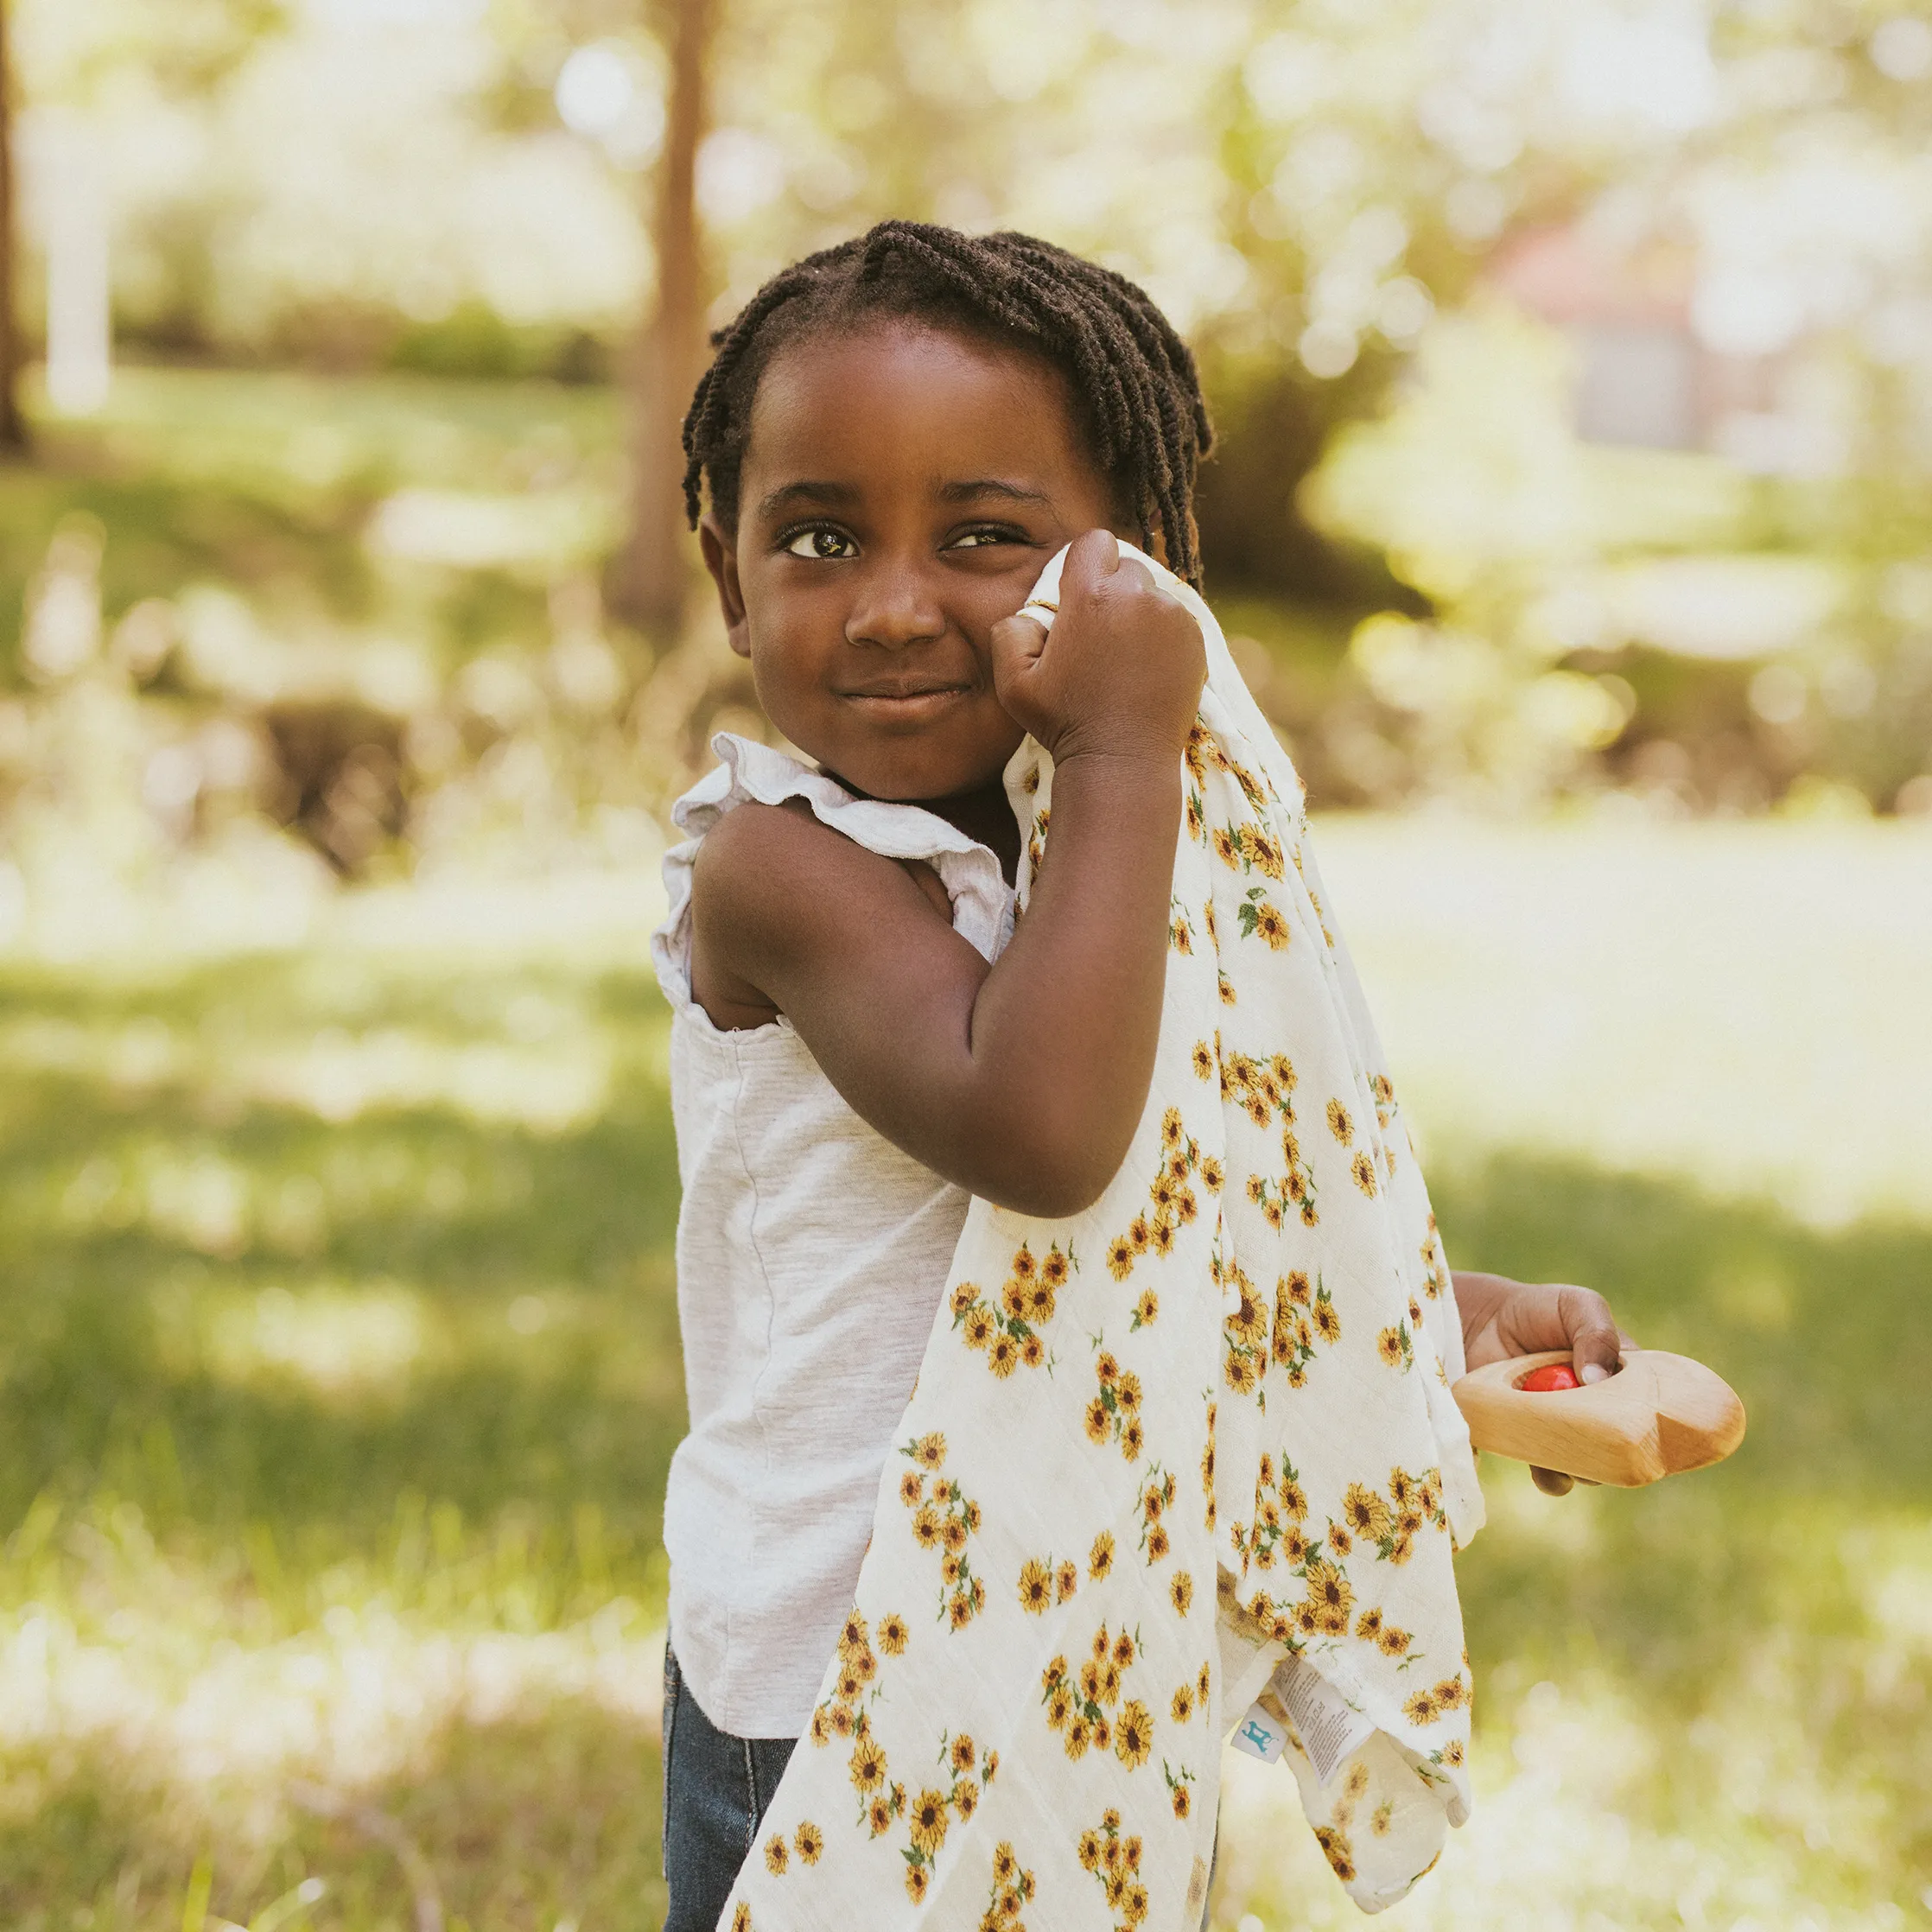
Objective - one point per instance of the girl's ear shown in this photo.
(1127, 526)
(1154, 546)
(720, 559)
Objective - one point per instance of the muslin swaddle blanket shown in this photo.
(1185, 1462)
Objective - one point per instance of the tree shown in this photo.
(653, 569)
(13, 424)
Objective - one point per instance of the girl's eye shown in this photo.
(977, 539)
(820, 541)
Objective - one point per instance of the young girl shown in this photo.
(895, 436)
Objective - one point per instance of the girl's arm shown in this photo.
(1022, 1082)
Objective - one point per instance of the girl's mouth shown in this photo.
(907, 700)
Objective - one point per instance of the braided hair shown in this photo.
(1133, 381)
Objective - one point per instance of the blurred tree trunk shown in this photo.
(13, 425)
(654, 571)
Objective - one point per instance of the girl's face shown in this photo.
(900, 491)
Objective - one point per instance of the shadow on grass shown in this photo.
(106, 1317)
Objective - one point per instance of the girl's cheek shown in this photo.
(787, 654)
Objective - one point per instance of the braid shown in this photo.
(1134, 382)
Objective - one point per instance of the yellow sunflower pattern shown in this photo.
(1114, 1858)
(1172, 1202)
(1006, 1332)
(945, 1519)
(1084, 1707)
(1158, 1449)
(1006, 1898)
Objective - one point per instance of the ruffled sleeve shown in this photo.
(748, 772)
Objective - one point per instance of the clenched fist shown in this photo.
(1121, 672)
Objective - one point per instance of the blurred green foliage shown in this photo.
(1334, 207)
(366, 610)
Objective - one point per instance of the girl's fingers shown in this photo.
(1139, 571)
(1596, 1347)
(1017, 642)
(1091, 556)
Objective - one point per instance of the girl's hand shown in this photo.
(1122, 670)
(1501, 1318)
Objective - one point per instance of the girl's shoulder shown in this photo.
(781, 863)
(774, 877)
(770, 840)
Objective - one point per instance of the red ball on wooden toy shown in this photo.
(1552, 1376)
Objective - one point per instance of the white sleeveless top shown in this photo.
(811, 1257)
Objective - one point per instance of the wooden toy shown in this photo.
(1658, 1415)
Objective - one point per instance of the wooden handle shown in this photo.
(1658, 1415)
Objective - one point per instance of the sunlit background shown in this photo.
(1572, 517)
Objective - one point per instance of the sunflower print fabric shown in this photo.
(1158, 1449)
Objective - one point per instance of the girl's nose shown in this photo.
(894, 608)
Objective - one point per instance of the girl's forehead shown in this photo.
(893, 393)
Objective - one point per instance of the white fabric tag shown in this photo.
(1261, 1734)
(1331, 1730)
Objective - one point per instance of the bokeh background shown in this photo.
(1572, 364)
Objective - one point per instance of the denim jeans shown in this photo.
(717, 1788)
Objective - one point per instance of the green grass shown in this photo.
(338, 1380)
(291, 432)
(334, 1433)
(265, 486)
